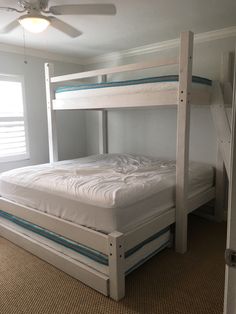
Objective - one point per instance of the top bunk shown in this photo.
(146, 92)
(153, 91)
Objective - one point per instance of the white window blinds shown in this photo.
(13, 137)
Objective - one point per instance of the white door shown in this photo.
(230, 276)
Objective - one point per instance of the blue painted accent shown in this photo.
(79, 248)
(165, 245)
(158, 79)
(140, 245)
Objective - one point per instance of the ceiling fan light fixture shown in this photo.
(34, 23)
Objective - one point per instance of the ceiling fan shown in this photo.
(37, 17)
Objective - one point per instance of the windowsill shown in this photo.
(14, 158)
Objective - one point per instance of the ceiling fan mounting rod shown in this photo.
(33, 4)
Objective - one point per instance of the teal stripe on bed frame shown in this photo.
(77, 247)
(140, 245)
(158, 79)
(142, 261)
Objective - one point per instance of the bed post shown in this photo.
(51, 114)
(103, 138)
(116, 265)
(183, 133)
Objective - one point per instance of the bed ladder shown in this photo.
(221, 105)
(223, 136)
(222, 124)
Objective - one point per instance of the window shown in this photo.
(13, 131)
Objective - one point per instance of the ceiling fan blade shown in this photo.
(8, 9)
(8, 28)
(64, 27)
(83, 9)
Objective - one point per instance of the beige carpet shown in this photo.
(168, 283)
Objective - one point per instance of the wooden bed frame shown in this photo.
(114, 245)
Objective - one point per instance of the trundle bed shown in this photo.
(98, 218)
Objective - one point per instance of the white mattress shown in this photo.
(103, 192)
(126, 90)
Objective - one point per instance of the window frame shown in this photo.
(24, 156)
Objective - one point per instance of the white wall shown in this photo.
(153, 131)
(71, 125)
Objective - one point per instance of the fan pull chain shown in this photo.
(25, 57)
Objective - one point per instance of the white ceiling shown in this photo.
(137, 23)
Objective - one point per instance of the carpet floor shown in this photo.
(168, 283)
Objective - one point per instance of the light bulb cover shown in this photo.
(34, 23)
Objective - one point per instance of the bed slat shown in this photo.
(95, 240)
(118, 69)
(144, 99)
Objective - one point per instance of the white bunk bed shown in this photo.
(114, 246)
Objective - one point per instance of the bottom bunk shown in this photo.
(109, 192)
(98, 254)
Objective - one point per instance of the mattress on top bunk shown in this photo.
(104, 192)
(153, 84)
